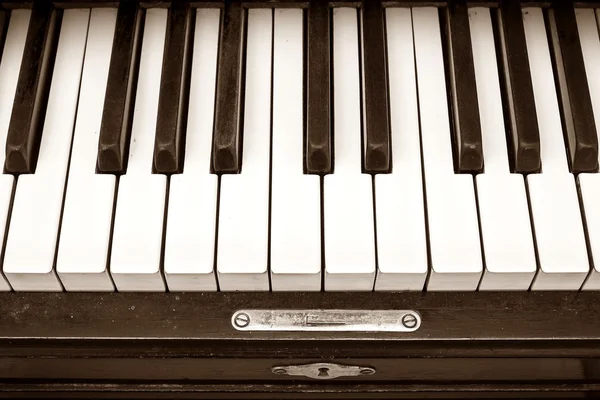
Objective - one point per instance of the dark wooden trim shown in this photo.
(10, 4)
(295, 391)
(560, 317)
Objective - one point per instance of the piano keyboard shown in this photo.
(289, 149)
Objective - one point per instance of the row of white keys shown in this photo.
(191, 218)
(401, 233)
(87, 212)
(456, 262)
(138, 227)
(556, 216)
(10, 66)
(589, 184)
(295, 197)
(35, 220)
(507, 238)
(242, 253)
(348, 198)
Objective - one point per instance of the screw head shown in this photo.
(241, 320)
(279, 370)
(409, 321)
(367, 371)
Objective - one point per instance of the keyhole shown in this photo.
(323, 371)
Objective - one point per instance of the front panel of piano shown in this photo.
(292, 198)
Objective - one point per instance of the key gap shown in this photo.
(322, 230)
(588, 245)
(484, 265)
(112, 230)
(161, 266)
(374, 231)
(215, 271)
(423, 178)
(7, 229)
(271, 147)
(533, 235)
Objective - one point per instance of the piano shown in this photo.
(299, 199)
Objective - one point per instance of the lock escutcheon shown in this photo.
(323, 370)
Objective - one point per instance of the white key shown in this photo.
(503, 205)
(401, 237)
(348, 198)
(190, 231)
(295, 197)
(452, 214)
(10, 66)
(31, 244)
(242, 255)
(589, 184)
(554, 202)
(87, 213)
(137, 236)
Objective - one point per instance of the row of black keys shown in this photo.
(519, 108)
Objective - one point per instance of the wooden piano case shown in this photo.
(183, 345)
(169, 345)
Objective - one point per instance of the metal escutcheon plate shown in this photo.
(323, 370)
(327, 320)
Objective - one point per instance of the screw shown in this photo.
(279, 371)
(367, 371)
(409, 321)
(241, 320)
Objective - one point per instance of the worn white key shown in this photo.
(10, 66)
(87, 214)
(242, 254)
(452, 214)
(295, 197)
(554, 202)
(589, 184)
(191, 219)
(35, 220)
(503, 205)
(348, 198)
(401, 237)
(137, 236)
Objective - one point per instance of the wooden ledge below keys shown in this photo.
(173, 344)
(555, 322)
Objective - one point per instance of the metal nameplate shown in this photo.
(327, 320)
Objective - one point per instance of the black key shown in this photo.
(117, 116)
(376, 124)
(174, 90)
(318, 90)
(228, 104)
(575, 101)
(33, 87)
(517, 90)
(464, 108)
